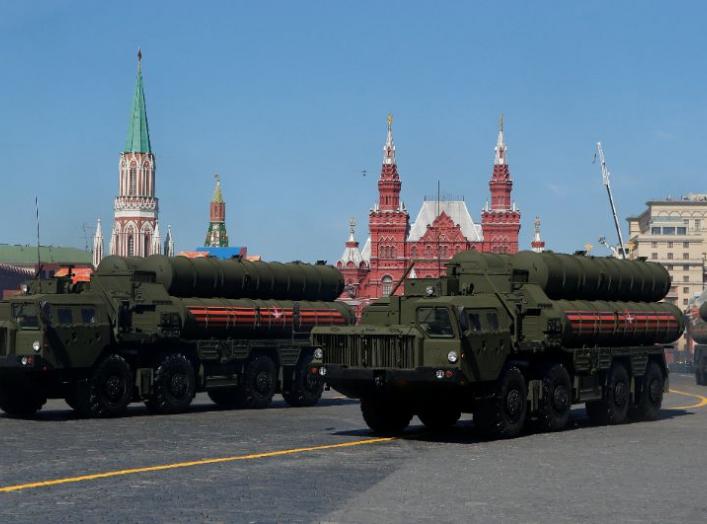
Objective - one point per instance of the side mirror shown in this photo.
(45, 312)
(463, 319)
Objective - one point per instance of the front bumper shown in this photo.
(359, 382)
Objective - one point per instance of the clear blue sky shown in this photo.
(287, 101)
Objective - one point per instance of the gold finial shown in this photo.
(217, 177)
(500, 123)
(139, 54)
(352, 223)
(389, 119)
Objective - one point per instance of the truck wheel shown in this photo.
(259, 383)
(649, 394)
(385, 416)
(439, 418)
(108, 391)
(305, 388)
(20, 401)
(700, 373)
(613, 408)
(503, 416)
(174, 385)
(556, 402)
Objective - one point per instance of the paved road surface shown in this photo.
(641, 472)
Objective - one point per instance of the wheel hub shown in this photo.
(560, 398)
(620, 396)
(113, 388)
(178, 385)
(513, 403)
(262, 382)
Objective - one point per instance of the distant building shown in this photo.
(442, 228)
(216, 235)
(19, 263)
(674, 234)
(538, 244)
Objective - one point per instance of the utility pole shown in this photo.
(605, 176)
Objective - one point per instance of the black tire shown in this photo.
(174, 385)
(259, 384)
(649, 394)
(107, 391)
(613, 408)
(305, 388)
(438, 418)
(385, 416)
(556, 401)
(504, 415)
(21, 401)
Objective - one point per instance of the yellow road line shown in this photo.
(178, 465)
(702, 400)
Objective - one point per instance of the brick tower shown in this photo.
(500, 221)
(389, 223)
(136, 206)
(216, 235)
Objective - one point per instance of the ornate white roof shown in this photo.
(455, 209)
(366, 251)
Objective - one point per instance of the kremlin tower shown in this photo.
(216, 235)
(501, 221)
(135, 231)
(538, 244)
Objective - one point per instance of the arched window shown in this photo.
(146, 244)
(413, 252)
(387, 285)
(132, 187)
(146, 178)
(392, 252)
(131, 244)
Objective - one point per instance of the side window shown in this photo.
(492, 321)
(64, 316)
(435, 321)
(88, 315)
(474, 321)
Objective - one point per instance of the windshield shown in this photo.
(26, 315)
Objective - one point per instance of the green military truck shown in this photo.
(696, 321)
(160, 329)
(512, 339)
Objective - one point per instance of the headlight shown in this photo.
(24, 288)
(452, 357)
(429, 291)
(36, 345)
(318, 354)
(322, 371)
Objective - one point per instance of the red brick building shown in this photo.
(441, 229)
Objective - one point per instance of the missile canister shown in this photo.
(590, 323)
(209, 277)
(212, 317)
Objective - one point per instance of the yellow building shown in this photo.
(674, 233)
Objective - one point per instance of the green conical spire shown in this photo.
(138, 132)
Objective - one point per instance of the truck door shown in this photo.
(440, 334)
(488, 341)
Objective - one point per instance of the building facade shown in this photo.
(674, 234)
(442, 228)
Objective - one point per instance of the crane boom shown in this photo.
(605, 177)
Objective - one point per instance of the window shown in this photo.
(492, 321)
(686, 290)
(655, 231)
(668, 230)
(25, 315)
(654, 244)
(88, 315)
(669, 267)
(131, 181)
(686, 256)
(687, 278)
(146, 246)
(682, 231)
(474, 322)
(413, 252)
(670, 256)
(685, 245)
(387, 285)
(64, 316)
(698, 224)
(131, 246)
(654, 256)
(435, 321)
(670, 244)
(684, 302)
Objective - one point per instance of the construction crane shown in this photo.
(607, 185)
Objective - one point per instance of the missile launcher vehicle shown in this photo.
(512, 339)
(160, 329)
(696, 321)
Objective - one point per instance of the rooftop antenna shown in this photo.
(439, 260)
(605, 176)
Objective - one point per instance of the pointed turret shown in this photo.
(138, 131)
(352, 254)
(156, 241)
(500, 149)
(538, 244)
(389, 181)
(216, 235)
(98, 245)
(169, 243)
